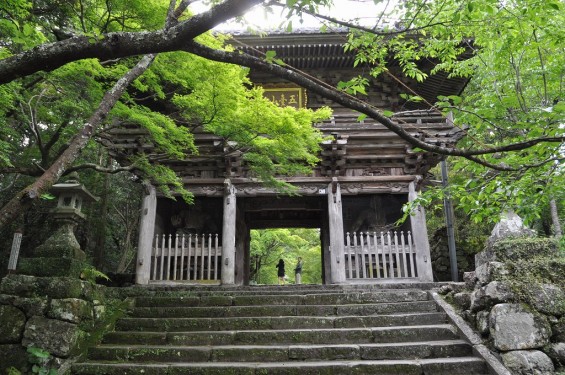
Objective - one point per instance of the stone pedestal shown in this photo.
(60, 255)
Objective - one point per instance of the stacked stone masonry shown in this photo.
(522, 320)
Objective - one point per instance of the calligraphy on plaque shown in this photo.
(286, 96)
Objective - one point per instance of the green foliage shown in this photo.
(40, 359)
(91, 274)
(514, 54)
(269, 245)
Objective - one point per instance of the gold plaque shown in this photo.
(286, 96)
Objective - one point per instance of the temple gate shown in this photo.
(354, 196)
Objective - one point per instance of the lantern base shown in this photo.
(62, 244)
(51, 267)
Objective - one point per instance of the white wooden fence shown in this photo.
(380, 256)
(191, 257)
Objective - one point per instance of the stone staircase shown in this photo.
(283, 330)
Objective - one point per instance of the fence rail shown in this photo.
(192, 257)
(383, 255)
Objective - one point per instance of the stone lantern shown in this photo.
(60, 254)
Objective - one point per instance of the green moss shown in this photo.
(93, 334)
(51, 267)
(518, 249)
(527, 275)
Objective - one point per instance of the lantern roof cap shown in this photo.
(72, 185)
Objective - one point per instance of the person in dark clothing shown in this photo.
(280, 272)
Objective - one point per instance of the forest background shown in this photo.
(69, 75)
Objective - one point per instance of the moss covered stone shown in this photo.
(67, 287)
(513, 327)
(73, 310)
(62, 243)
(13, 355)
(515, 249)
(51, 267)
(57, 337)
(13, 323)
(20, 285)
(32, 306)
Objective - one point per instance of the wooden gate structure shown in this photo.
(354, 195)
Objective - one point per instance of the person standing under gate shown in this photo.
(298, 271)
(280, 272)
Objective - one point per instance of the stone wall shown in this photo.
(59, 315)
(515, 298)
(439, 252)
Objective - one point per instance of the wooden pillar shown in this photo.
(325, 253)
(337, 238)
(146, 234)
(228, 234)
(242, 256)
(420, 236)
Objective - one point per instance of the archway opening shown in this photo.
(269, 246)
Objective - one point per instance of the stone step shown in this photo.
(286, 299)
(173, 288)
(288, 336)
(278, 322)
(280, 353)
(187, 290)
(436, 366)
(284, 310)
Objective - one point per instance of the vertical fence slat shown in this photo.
(390, 258)
(376, 248)
(162, 264)
(176, 257)
(195, 267)
(356, 250)
(404, 258)
(216, 258)
(168, 272)
(369, 255)
(188, 256)
(181, 257)
(348, 254)
(383, 256)
(202, 260)
(396, 255)
(209, 255)
(412, 256)
(363, 263)
(154, 251)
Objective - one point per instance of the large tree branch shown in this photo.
(76, 144)
(351, 25)
(51, 56)
(34, 171)
(351, 102)
(99, 168)
(24, 198)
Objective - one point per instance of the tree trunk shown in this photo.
(24, 198)
(555, 219)
(100, 243)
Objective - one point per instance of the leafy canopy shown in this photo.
(513, 52)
